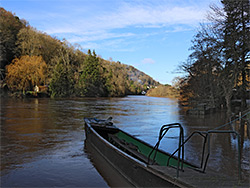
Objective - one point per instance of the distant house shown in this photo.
(42, 89)
(36, 89)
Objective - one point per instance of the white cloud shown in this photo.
(92, 24)
(98, 35)
(148, 61)
(127, 15)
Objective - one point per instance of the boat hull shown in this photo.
(126, 158)
(133, 171)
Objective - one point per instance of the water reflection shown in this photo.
(224, 146)
(42, 139)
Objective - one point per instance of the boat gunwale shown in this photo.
(171, 179)
(189, 165)
(114, 147)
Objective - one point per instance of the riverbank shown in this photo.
(19, 94)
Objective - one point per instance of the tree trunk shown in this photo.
(228, 103)
(243, 92)
(243, 62)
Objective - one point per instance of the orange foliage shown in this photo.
(26, 72)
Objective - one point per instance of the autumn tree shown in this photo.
(26, 72)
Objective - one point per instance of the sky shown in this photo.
(154, 36)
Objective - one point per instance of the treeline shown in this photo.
(32, 58)
(219, 66)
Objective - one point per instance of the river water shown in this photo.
(42, 140)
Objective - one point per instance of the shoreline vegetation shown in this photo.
(163, 91)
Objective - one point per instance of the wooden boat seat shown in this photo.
(129, 148)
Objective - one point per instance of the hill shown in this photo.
(33, 59)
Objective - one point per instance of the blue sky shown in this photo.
(152, 35)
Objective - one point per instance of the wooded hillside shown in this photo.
(32, 58)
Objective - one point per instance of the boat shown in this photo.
(135, 163)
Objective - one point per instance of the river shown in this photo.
(42, 140)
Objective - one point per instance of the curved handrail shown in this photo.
(163, 131)
(206, 135)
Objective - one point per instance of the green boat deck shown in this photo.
(143, 150)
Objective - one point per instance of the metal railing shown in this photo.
(163, 131)
(206, 142)
(206, 135)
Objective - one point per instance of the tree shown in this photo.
(62, 81)
(237, 42)
(10, 26)
(220, 59)
(204, 65)
(61, 84)
(32, 42)
(91, 81)
(115, 77)
(26, 72)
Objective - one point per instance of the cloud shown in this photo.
(155, 16)
(148, 61)
(127, 15)
(178, 28)
(98, 35)
(89, 23)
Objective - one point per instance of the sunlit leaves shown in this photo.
(26, 72)
(163, 91)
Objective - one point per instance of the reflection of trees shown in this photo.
(31, 126)
(224, 149)
(243, 128)
(21, 130)
(17, 134)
